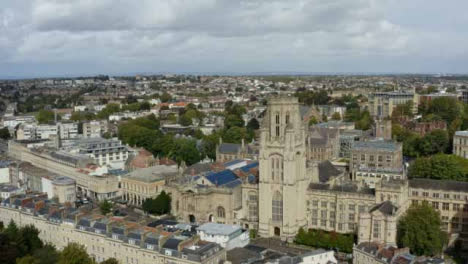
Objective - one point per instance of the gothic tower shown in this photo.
(283, 181)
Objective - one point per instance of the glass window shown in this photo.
(277, 207)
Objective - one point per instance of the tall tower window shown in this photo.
(287, 119)
(277, 167)
(277, 207)
(277, 125)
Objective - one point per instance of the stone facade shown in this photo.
(104, 238)
(460, 144)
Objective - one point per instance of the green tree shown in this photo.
(45, 116)
(82, 116)
(30, 239)
(165, 97)
(419, 229)
(440, 167)
(5, 133)
(253, 124)
(448, 108)
(105, 207)
(312, 121)
(336, 116)
(110, 261)
(74, 253)
(27, 260)
(233, 120)
(46, 255)
(159, 205)
(209, 144)
(184, 120)
(185, 150)
(8, 250)
(235, 135)
(436, 141)
(108, 110)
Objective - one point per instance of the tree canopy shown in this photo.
(159, 205)
(419, 229)
(440, 167)
(46, 116)
(324, 239)
(105, 207)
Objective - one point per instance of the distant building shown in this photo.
(229, 151)
(7, 190)
(383, 129)
(377, 253)
(29, 131)
(141, 184)
(94, 129)
(460, 144)
(382, 104)
(376, 154)
(128, 239)
(103, 151)
(228, 236)
(323, 143)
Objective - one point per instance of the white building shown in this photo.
(109, 152)
(94, 129)
(319, 256)
(46, 131)
(228, 236)
(12, 121)
(7, 190)
(4, 174)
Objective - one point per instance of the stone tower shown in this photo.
(283, 181)
(383, 129)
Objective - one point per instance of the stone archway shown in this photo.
(210, 218)
(192, 219)
(277, 231)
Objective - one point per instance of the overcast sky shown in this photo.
(87, 37)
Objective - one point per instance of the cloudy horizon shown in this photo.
(44, 38)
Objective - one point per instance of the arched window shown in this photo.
(277, 125)
(221, 212)
(277, 207)
(277, 166)
(287, 118)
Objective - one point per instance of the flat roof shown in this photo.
(152, 174)
(218, 229)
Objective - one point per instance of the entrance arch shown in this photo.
(277, 231)
(210, 218)
(192, 219)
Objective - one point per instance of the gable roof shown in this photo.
(387, 208)
(327, 170)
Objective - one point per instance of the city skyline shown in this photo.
(47, 38)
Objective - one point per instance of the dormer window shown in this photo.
(114, 236)
(150, 247)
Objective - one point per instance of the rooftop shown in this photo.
(218, 229)
(443, 185)
(382, 145)
(152, 174)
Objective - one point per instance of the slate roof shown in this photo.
(377, 145)
(247, 167)
(386, 208)
(241, 255)
(229, 148)
(327, 170)
(172, 243)
(222, 177)
(439, 185)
